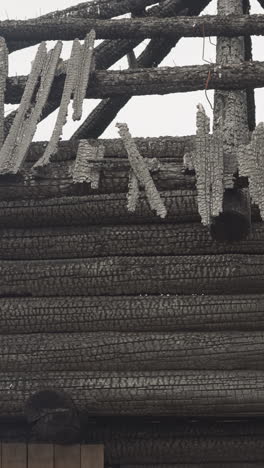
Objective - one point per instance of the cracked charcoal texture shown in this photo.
(134, 275)
(85, 68)
(132, 351)
(69, 88)
(3, 77)
(10, 159)
(132, 314)
(141, 171)
(208, 164)
(250, 160)
(85, 168)
(230, 108)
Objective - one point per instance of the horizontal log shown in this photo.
(132, 314)
(175, 393)
(102, 241)
(56, 179)
(96, 209)
(156, 147)
(105, 209)
(221, 274)
(149, 81)
(132, 351)
(68, 29)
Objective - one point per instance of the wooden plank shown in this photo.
(92, 456)
(40, 456)
(67, 456)
(14, 455)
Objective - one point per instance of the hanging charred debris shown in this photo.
(132, 269)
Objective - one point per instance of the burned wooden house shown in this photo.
(131, 275)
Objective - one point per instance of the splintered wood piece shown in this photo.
(67, 456)
(40, 456)
(9, 164)
(141, 171)
(208, 163)
(92, 456)
(30, 126)
(69, 87)
(14, 455)
(133, 192)
(85, 65)
(87, 165)
(3, 77)
(251, 165)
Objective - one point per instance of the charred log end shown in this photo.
(234, 223)
(53, 417)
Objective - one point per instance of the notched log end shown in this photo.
(53, 416)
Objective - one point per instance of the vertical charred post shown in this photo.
(231, 118)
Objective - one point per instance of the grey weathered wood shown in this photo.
(10, 159)
(231, 120)
(131, 314)
(124, 352)
(40, 456)
(136, 28)
(86, 66)
(224, 274)
(164, 80)
(3, 78)
(68, 90)
(178, 393)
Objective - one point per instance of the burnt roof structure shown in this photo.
(132, 269)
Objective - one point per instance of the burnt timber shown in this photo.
(147, 332)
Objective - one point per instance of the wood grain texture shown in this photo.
(224, 274)
(92, 456)
(164, 80)
(178, 393)
(132, 351)
(132, 314)
(68, 28)
(14, 455)
(40, 456)
(67, 456)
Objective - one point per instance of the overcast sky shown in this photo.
(145, 115)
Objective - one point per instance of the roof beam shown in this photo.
(136, 28)
(148, 81)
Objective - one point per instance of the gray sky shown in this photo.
(173, 114)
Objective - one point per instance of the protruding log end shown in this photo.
(53, 417)
(234, 223)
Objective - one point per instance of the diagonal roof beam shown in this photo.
(103, 114)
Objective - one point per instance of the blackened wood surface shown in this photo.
(132, 314)
(132, 351)
(222, 274)
(182, 393)
(147, 81)
(136, 28)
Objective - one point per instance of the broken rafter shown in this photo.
(161, 81)
(85, 67)
(86, 167)
(10, 161)
(3, 78)
(30, 127)
(142, 174)
(136, 28)
(69, 89)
